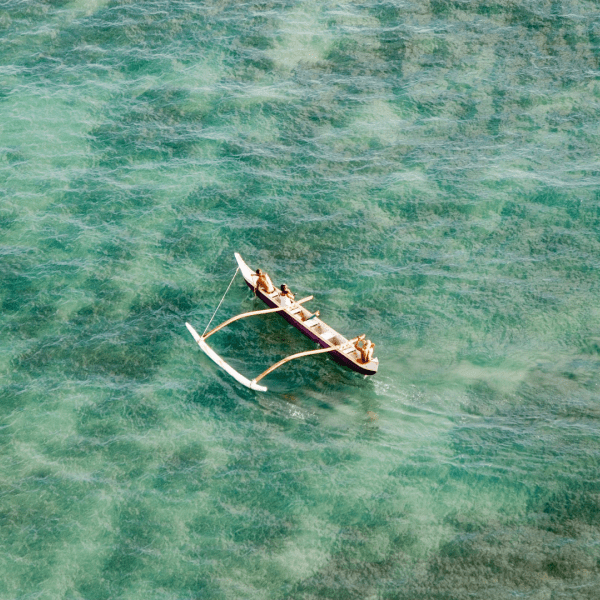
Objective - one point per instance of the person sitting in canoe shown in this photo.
(370, 350)
(264, 282)
(366, 349)
(286, 295)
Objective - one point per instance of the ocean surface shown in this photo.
(429, 171)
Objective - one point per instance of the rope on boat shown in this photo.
(223, 298)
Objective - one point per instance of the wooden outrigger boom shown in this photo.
(200, 339)
(342, 350)
(251, 314)
(293, 356)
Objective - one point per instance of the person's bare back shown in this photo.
(264, 282)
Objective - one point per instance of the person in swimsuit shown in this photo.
(366, 349)
(264, 282)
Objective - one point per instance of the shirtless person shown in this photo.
(366, 348)
(370, 346)
(264, 282)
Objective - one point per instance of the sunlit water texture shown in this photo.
(428, 170)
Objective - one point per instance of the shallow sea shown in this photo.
(429, 171)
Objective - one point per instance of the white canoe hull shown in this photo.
(314, 328)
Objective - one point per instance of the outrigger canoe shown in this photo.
(341, 349)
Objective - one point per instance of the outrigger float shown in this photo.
(341, 350)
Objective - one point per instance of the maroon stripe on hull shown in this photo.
(338, 357)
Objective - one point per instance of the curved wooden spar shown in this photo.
(300, 354)
(219, 361)
(252, 313)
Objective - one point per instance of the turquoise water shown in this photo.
(429, 171)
